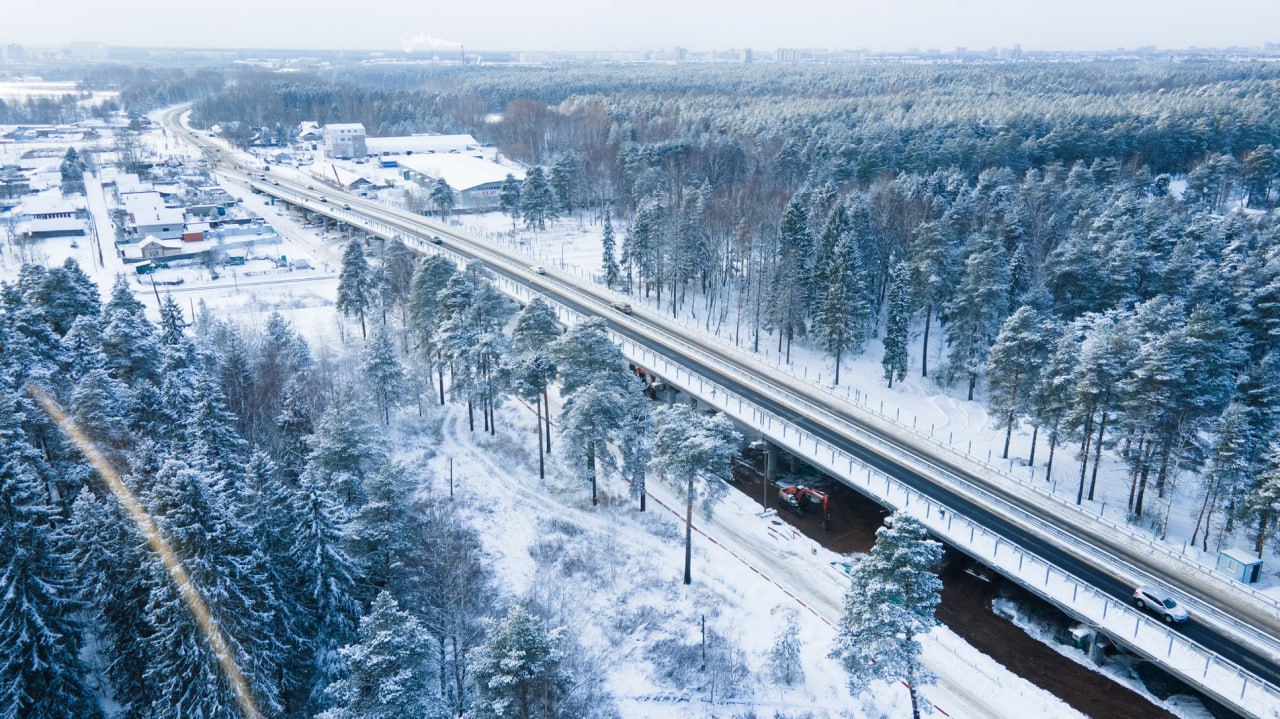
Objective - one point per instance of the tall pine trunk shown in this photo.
(924, 353)
(1097, 455)
(688, 534)
(542, 472)
(1035, 432)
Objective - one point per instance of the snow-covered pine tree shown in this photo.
(932, 261)
(1228, 471)
(897, 324)
(518, 670)
(978, 306)
(1264, 503)
(355, 284)
(531, 368)
(892, 596)
(383, 372)
(1013, 367)
(389, 675)
(398, 266)
(692, 451)
(442, 197)
(425, 313)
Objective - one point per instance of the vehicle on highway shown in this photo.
(345, 206)
(276, 183)
(311, 187)
(324, 199)
(538, 269)
(1160, 603)
(435, 240)
(623, 307)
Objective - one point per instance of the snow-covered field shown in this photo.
(615, 574)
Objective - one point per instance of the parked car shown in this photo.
(1160, 603)
(623, 307)
(538, 269)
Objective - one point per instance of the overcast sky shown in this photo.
(631, 25)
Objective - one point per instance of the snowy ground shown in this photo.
(938, 414)
(615, 572)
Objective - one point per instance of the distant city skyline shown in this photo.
(578, 25)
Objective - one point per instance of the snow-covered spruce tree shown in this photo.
(692, 451)
(1264, 503)
(784, 655)
(355, 284)
(41, 674)
(345, 447)
(792, 283)
(841, 322)
(209, 435)
(383, 372)
(380, 537)
(66, 294)
(892, 596)
(325, 583)
(530, 367)
(609, 253)
(389, 670)
(1013, 367)
(128, 339)
(563, 179)
(442, 197)
(230, 574)
(897, 325)
(537, 201)
(518, 670)
(978, 306)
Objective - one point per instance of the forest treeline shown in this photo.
(1023, 216)
(340, 589)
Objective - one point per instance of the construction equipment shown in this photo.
(801, 499)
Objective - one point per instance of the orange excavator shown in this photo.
(801, 499)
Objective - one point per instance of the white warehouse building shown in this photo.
(477, 181)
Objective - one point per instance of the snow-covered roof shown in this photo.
(1241, 556)
(50, 202)
(462, 172)
(153, 241)
(147, 208)
(56, 224)
(345, 126)
(345, 177)
(129, 182)
(419, 143)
